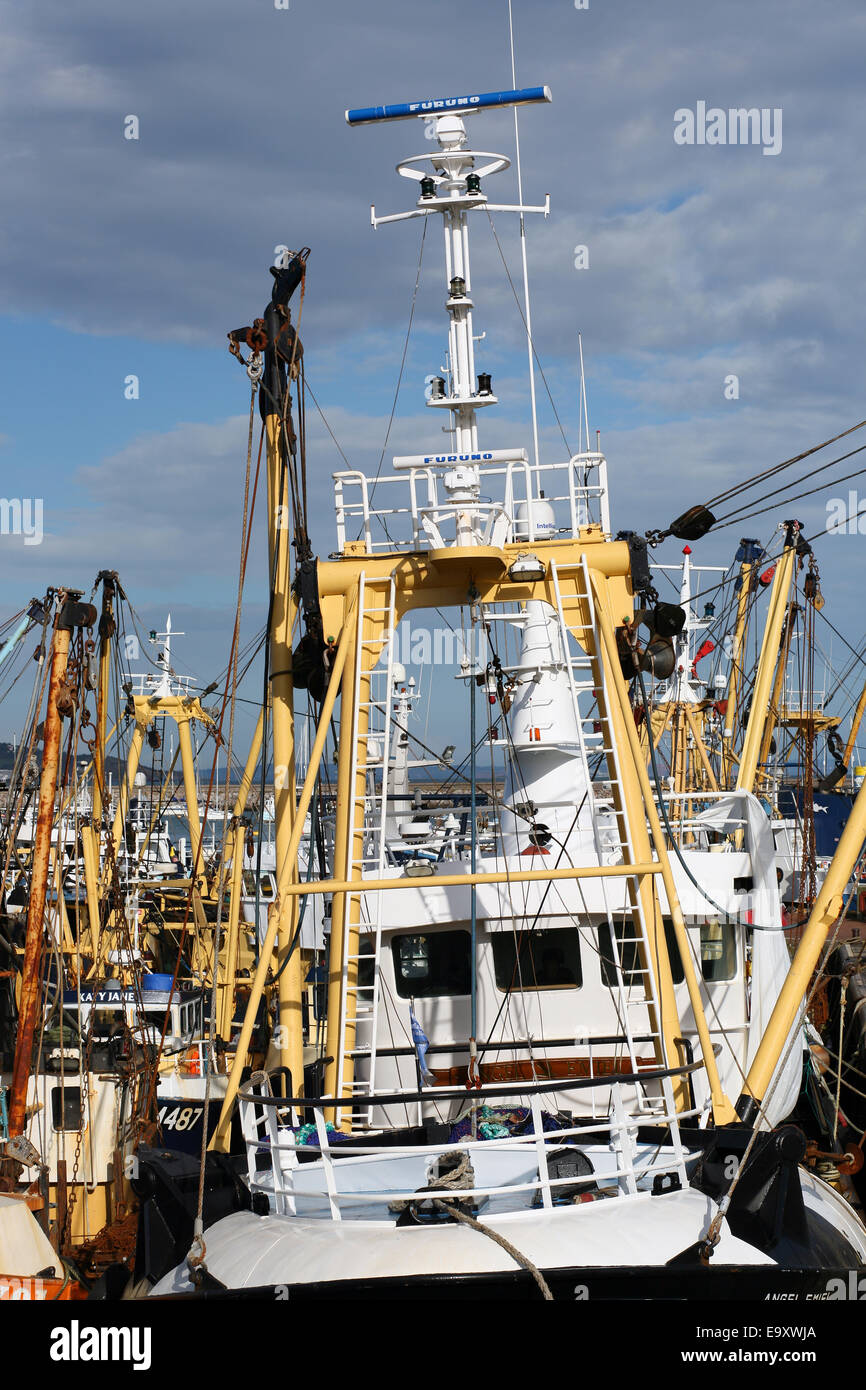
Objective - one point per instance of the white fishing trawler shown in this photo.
(563, 1030)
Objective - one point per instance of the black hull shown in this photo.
(725, 1284)
(187, 1139)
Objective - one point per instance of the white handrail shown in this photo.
(628, 1169)
(523, 485)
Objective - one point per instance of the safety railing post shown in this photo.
(327, 1164)
(541, 1150)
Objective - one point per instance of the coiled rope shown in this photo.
(461, 1178)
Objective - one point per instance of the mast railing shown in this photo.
(150, 683)
(512, 492)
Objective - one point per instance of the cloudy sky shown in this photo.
(124, 257)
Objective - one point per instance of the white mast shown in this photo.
(453, 188)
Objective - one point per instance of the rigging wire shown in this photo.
(858, 660)
(725, 913)
(400, 373)
(308, 387)
(715, 1226)
(859, 657)
(246, 529)
(740, 515)
(528, 334)
(777, 468)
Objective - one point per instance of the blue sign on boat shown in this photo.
(441, 106)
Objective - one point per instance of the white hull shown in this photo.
(640, 1232)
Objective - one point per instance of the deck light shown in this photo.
(419, 868)
(527, 567)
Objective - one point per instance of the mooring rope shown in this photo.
(462, 1179)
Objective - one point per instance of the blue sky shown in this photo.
(127, 257)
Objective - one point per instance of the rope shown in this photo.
(399, 374)
(308, 388)
(714, 1231)
(777, 468)
(195, 867)
(745, 513)
(848, 1068)
(516, 1255)
(16, 804)
(860, 657)
(461, 1178)
(836, 524)
(529, 335)
(728, 916)
(198, 1248)
(842, 1004)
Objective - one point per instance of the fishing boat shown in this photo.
(99, 1045)
(562, 1035)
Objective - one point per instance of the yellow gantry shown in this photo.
(767, 665)
(736, 672)
(444, 578)
(828, 906)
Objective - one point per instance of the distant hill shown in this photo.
(116, 766)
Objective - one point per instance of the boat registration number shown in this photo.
(180, 1117)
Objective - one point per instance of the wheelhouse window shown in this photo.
(431, 965)
(629, 956)
(66, 1110)
(718, 950)
(266, 885)
(533, 959)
